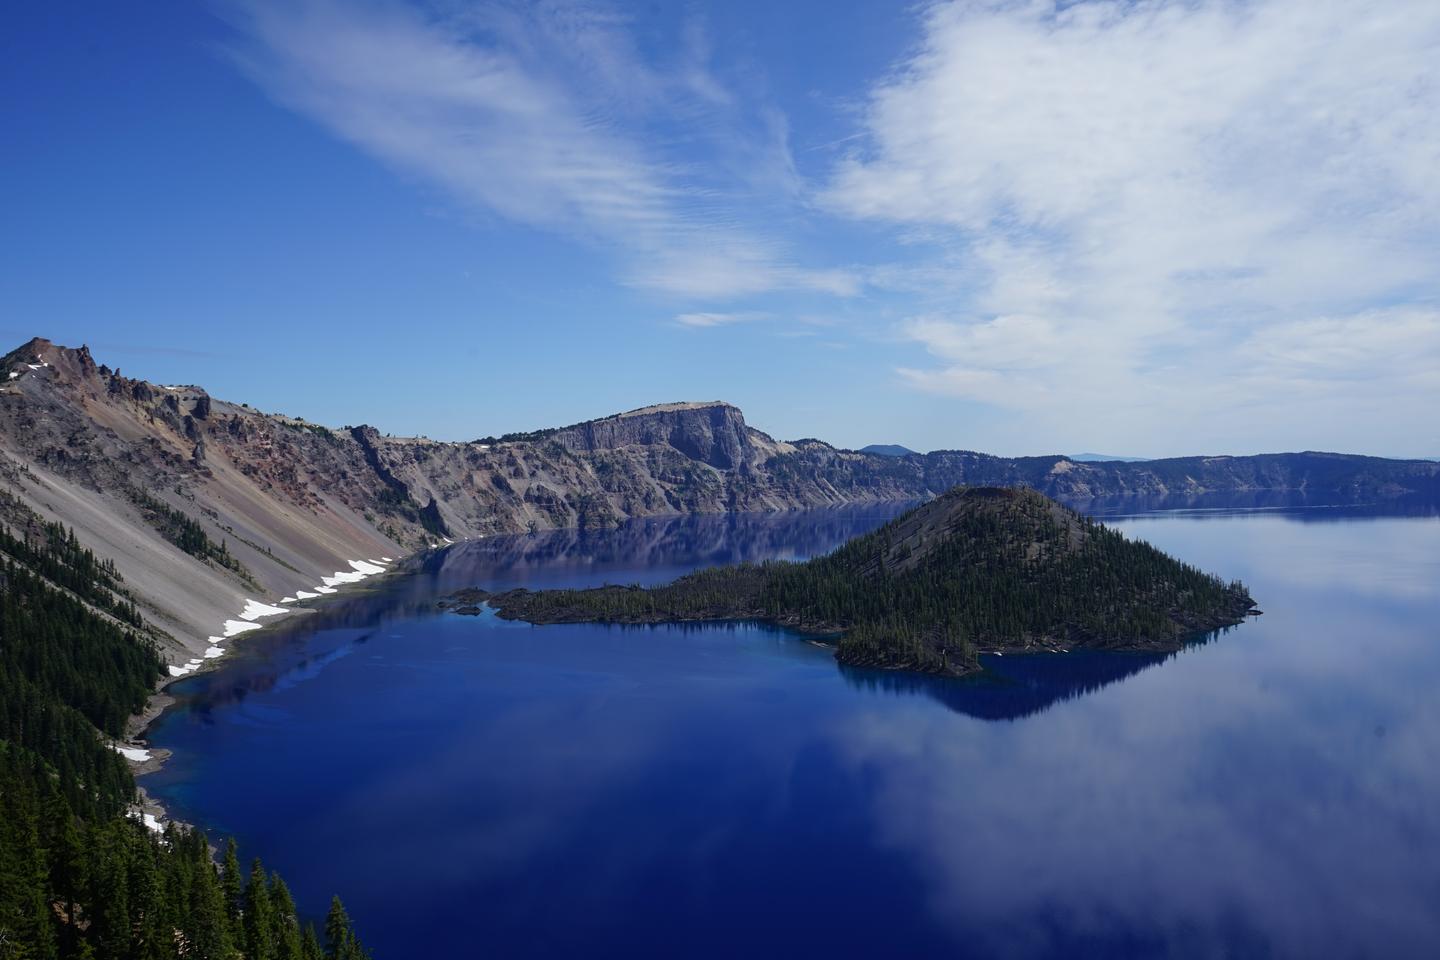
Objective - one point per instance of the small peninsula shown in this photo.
(976, 570)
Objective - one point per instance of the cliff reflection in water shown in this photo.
(649, 550)
(1017, 686)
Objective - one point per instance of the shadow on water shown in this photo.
(1020, 685)
(638, 547)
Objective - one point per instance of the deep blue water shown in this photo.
(477, 788)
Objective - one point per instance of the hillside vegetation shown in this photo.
(79, 876)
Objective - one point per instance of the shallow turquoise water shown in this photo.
(476, 787)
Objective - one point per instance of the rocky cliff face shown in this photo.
(149, 474)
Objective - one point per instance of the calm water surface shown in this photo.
(472, 787)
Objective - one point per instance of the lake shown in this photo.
(472, 787)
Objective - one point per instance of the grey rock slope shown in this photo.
(204, 503)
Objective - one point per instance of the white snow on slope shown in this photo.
(150, 820)
(189, 667)
(342, 576)
(131, 753)
(254, 610)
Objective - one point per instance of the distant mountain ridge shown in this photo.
(203, 504)
(888, 450)
(1105, 458)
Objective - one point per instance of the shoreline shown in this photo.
(150, 811)
(830, 636)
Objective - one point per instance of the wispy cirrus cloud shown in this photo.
(1190, 205)
(1115, 223)
(703, 320)
(546, 115)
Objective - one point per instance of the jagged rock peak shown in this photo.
(38, 353)
(34, 350)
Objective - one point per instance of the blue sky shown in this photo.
(1148, 228)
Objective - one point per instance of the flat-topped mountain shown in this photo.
(888, 450)
(202, 503)
(713, 433)
(977, 569)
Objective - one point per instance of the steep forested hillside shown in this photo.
(976, 569)
(80, 876)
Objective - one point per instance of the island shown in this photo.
(975, 570)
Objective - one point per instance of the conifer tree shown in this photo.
(24, 914)
(286, 932)
(206, 926)
(340, 935)
(310, 944)
(259, 919)
(232, 888)
(109, 899)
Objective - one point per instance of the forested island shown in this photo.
(975, 570)
(80, 874)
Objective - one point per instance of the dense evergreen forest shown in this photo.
(979, 568)
(79, 876)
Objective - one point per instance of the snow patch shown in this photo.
(305, 595)
(254, 610)
(131, 753)
(326, 590)
(342, 576)
(212, 652)
(384, 559)
(366, 568)
(180, 671)
(287, 599)
(233, 627)
(151, 821)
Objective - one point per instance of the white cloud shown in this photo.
(1163, 201)
(712, 319)
(547, 116)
